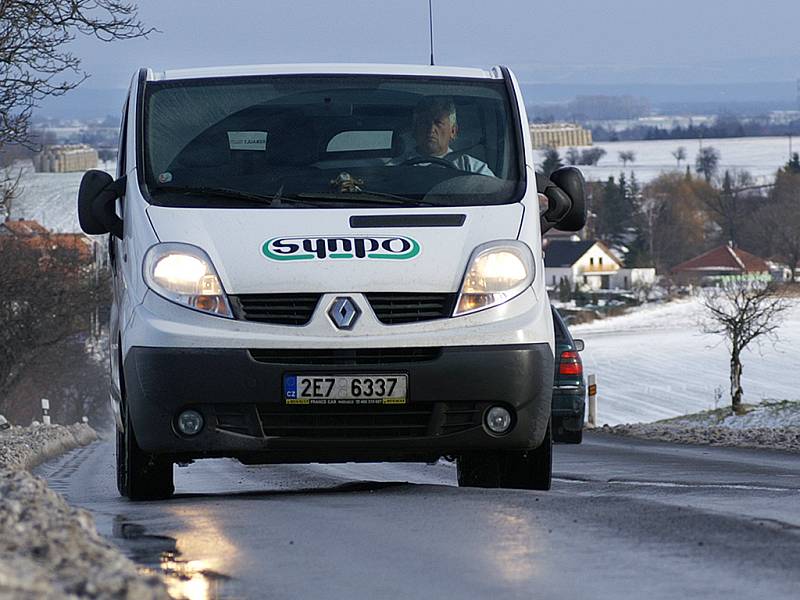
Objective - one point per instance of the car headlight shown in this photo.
(496, 273)
(184, 274)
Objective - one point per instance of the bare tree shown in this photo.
(35, 61)
(572, 156)
(707, 162)
(680, 154)
(9, 189)
(591, 156)
(627, 156)
(732, 205)
(742, 310)
(50, 290)
(779, 219)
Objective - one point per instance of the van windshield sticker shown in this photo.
(247, 140)
(341, 247)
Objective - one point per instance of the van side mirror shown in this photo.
(579, 345)
(96, 198)
(565, 190)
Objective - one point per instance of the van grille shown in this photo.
(397, 308)
(348, 357)
(422, 419)
(369, 422)
(278, 309)
(393, 308)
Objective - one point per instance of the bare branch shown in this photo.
(34, 62)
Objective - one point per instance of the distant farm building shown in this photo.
(65, 159)
(557, 135)
(721, 262)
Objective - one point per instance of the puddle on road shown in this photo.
(159, 554)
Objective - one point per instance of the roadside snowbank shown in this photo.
(773, 425)
(49, 549)
(25, 447)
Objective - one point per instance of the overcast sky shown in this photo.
(558, 41)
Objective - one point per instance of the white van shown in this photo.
(329, 263)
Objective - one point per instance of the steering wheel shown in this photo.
(418, 160)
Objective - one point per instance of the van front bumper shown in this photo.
(241, 400)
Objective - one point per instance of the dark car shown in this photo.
(569, 387)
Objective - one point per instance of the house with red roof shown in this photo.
(34, 235)
(723, 261)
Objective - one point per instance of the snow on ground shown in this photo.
(654, 363)
(48, 549)
(761, 156)
(767, 414)
(51, 199)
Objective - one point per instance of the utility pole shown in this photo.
(798, 94)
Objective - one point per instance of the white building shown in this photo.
(591, 264)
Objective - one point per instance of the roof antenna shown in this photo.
(430, 23)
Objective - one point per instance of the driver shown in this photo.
(435, 126)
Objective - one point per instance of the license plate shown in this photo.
(338, 390)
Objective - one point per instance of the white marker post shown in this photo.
(592, 401)
(45, 411)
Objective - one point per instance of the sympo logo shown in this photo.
(396, 247)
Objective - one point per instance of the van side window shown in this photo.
(121, 168)
(123, 138)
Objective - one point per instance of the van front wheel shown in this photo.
(515, 469)
(141, 476)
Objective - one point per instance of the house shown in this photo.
(719, 262)
(22, 228)
(35, 235)
(590, 264)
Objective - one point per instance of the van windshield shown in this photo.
(343, 140)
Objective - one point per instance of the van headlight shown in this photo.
(496, 273)
(184, 274)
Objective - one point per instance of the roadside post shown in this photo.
(592, 401)
(45, 411)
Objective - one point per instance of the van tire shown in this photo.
(569, 437)
(515, 469)
(566, 436)
(140, 475)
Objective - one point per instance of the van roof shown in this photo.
(324, 69)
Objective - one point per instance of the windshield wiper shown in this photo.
(365, 196)
(188, 190)
(301, 198)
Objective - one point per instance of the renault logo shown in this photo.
(344, 313)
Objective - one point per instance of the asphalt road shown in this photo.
(625, 519)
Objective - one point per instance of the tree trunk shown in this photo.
(736, 382)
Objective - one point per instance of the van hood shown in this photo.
(338, 250)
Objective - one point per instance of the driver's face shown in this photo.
(433, 133)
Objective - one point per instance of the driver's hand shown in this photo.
(544, 203)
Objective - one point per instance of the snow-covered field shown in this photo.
(51, 199)
(654, 364)
(761, 156)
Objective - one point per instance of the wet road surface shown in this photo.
(625, 519)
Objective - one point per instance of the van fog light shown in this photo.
(190, 422)
(498, 419)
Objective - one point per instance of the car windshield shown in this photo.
(350, 140)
